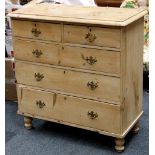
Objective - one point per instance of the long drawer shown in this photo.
(86, 84)
(77, 57)
(70, 109)
(37, 30)
(94, 36)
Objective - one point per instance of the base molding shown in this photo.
(131, 125)
(84, 127)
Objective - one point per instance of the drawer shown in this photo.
(77, 57)
(95, 36)
(83, 112)
(35, 102)
(36, 51)
(86, 84)
(37, 30)
(91, 59)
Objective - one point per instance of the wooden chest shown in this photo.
(80, 66)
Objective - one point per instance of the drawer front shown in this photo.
(91, 59)
(35, 102)
(86, 84)
(70, 109)
(36, 51)
(95, 36)
(37, 30)
(84, 58)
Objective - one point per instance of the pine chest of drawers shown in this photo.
(80, 66)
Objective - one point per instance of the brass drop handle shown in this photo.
(37, 53)
(90, 60)
(90, 37)
(38, 76)
(40, 104)
(92, 85)
(92, 114)
(35, 32)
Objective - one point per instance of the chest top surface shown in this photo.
(79, 14)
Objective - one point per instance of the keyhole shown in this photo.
(34, 24)
(90, 29)
(64, 72)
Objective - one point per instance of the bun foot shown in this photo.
(28, 122)
(119, 147)
(136, 128)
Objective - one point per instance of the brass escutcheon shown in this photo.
(90, 60)
(37, 53)
(92, 85)
(38, 76)
(40, 104)
(90, 37)
(36, 32)
(92, 114)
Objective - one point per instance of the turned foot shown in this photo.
(119, 147)
(136, 128)
(28, 122)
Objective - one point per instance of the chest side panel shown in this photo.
(132, 77)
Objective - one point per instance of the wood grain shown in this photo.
(89, 70)
(133, 73)
(71, 109)
(80, 14)
(49, 31)
(106, 61)
(24, 49)
(104, 36)
(68, 56)
(68, 81)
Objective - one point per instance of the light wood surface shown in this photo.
(133, 76)
(50, 52)
(80, 66)
(106, 61)
(119, 147)
(73, 124)
(71, 109)
(73, 94)
(79, 14)
(48, 31)
(28, 122)
(103, 36)
(70, 56)
(29, 102)
(68, 81)
(136, 128)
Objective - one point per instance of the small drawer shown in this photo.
(37, 30)
(94, 36)
(36, 51)
(91, 59)
(35, 102)
(83, 112)
(86, 84)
